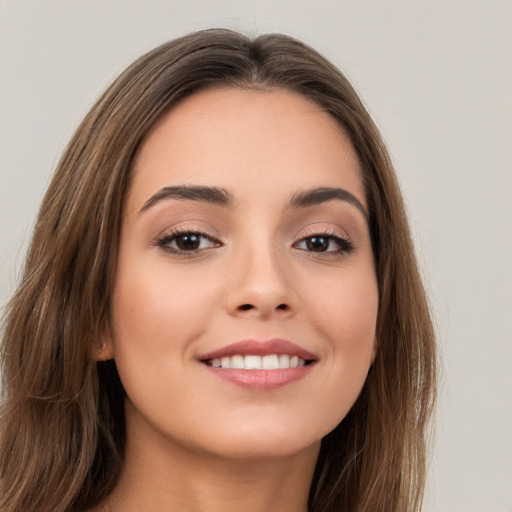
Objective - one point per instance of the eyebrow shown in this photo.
(213, 195)
(220, 196)
(321, 195)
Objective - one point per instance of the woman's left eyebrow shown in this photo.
(213, 195)
(321, 195)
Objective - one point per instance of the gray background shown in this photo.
(436, 76)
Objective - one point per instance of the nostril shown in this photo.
(247, 307)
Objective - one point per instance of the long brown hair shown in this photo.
(62, 420)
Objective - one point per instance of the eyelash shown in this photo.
(164, 241)
(345, 246)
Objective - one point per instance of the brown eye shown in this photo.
(325, 244)
(317, 243)
(187, 242)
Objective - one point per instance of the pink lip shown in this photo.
(261, 379)
(260, 348)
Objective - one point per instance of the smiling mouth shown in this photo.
(260, 365)
(256, 362)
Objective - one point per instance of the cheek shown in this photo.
(157, 314)
(346, 309)
(154, 303)
(345, 316)
(356, 319)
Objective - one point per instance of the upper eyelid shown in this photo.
(184, 227)
(329, 232)
(177, 233)
(324, 234)
(163, 242)
(316, 229)
(202, 227)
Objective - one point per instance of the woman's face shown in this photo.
(245, 304)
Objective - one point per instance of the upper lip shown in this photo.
(260, 348)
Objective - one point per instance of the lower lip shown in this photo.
(262, 380)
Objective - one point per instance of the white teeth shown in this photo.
(269, 362)
(284, 361)
(252, 362)
(237, 362)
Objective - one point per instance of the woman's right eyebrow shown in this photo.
(213, 195)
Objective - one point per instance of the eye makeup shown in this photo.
(186, 240)
(192, 241)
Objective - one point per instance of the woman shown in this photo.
(221, 308)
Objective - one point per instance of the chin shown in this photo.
(264, 440)
(264, 449)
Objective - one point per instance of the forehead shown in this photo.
(247, 140)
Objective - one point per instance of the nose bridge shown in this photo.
(259, 280)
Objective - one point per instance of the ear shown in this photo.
(105, 346)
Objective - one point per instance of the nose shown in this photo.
(259, 285)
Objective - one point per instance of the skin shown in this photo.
(197, 442)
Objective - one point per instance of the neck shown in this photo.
(165, 477)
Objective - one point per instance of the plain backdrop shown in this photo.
(437, 78)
